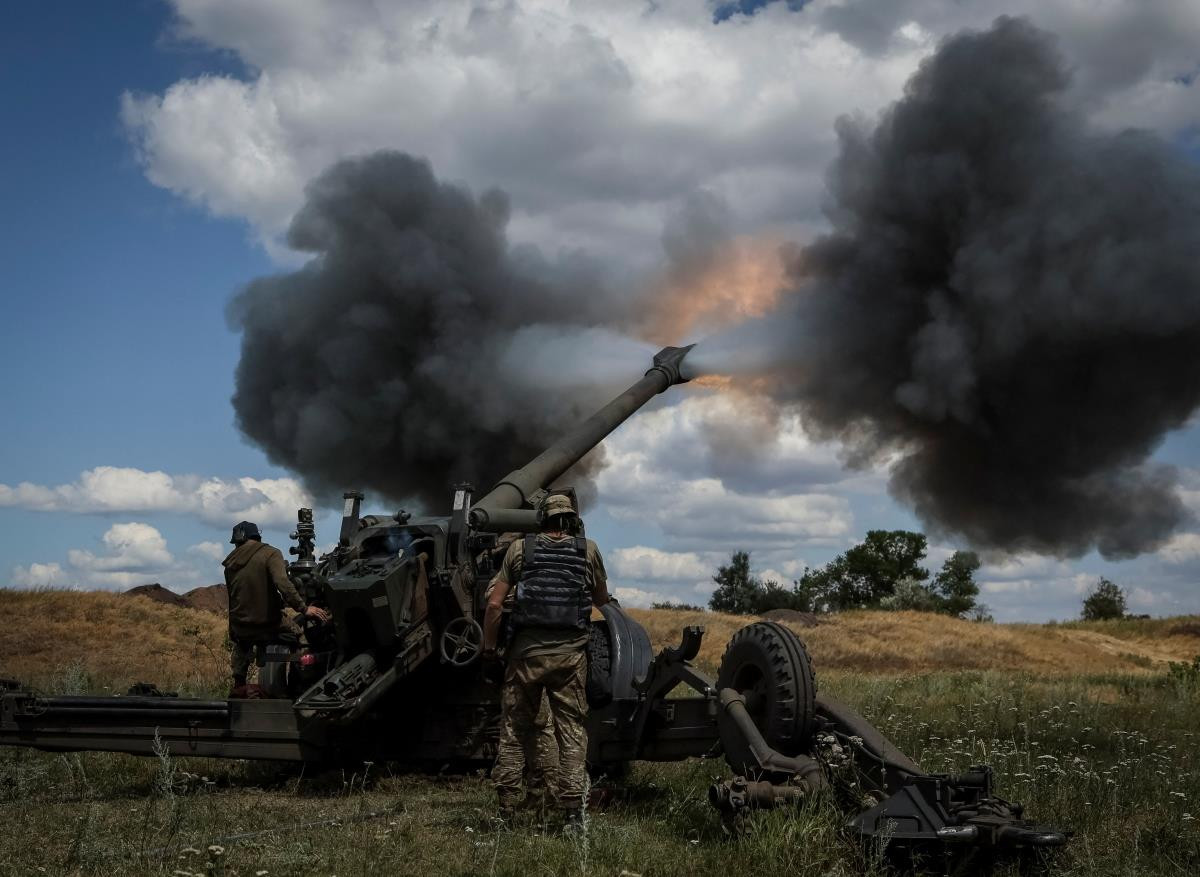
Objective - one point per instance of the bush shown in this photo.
(1184, 674)
(911, 595)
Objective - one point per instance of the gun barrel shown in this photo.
(504, 508)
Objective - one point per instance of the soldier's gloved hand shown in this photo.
(316, 612)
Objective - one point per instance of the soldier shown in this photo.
(256, 576)
(539, 750)
(558, 576)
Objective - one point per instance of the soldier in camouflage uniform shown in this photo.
(558, 577)
(540, 749)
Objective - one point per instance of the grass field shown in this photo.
(1111, 754)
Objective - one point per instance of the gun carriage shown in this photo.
(396, 676)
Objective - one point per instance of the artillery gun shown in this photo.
(396, 676)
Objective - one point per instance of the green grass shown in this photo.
(1115, 759)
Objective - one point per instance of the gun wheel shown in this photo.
(768, 664)
(462, 642)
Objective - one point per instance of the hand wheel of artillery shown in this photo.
(462, 642)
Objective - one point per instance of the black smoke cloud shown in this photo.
(417, 348)
(1007, 307)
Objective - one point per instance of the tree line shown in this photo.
(884, 571)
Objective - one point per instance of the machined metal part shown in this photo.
(735, 796)
(507, 506)
(259, 729)
(939, 809)
(739, 734)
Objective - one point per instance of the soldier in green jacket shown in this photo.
(259, 588)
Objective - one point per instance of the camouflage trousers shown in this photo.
(553, 686)
(241, 655)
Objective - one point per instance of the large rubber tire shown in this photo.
(599, 673)
(768, 664)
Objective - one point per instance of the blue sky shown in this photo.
(128, 229)
(114, 348)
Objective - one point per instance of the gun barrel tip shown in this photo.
(669, 361)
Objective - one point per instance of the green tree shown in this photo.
(1104, 602)
(868, 572)
(954, 586)
(741, 593)
(736, 588)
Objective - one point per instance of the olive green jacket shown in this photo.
(259, 587)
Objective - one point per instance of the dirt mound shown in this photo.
(793, 617)
(210, 598)
(157, 593)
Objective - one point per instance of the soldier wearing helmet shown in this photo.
(259, 587)
(558, 576)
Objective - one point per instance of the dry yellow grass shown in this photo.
(119, 640)
(916, 642)
(116, 640)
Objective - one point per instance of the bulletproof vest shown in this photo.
(553, 590)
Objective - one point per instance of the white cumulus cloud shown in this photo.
(1182, 548)
(596, 117)
(127, 554)
(658, 473)
(134, 553)
(638, 597)
(123, 490)
(38, 575)
(209, 550)
(642, 562)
